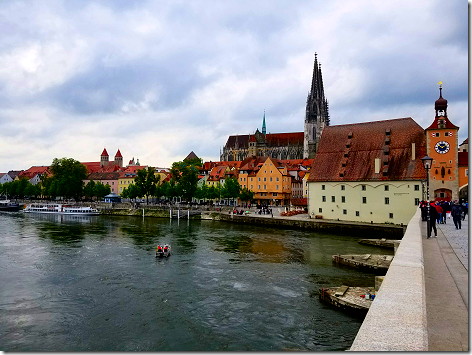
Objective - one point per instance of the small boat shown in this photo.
(8, 206)
(355, 300)
(61, 209)
(367, 262)
(163, 251)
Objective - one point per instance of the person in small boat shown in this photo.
(165, 249)
(159, 249)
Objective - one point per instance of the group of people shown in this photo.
(439, 211)
(265, 210)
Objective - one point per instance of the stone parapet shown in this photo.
(396, 320)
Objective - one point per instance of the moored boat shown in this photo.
(367, 262)
(8, 206)
(61, 209)
(351, 299)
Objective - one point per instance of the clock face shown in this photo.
(442, 147)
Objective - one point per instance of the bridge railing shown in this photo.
(396, 320)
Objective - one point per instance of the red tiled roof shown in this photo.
(104, 153)
(33, 171)
(118, 154)
(448, 124)
(466, 141)
(463, 158)
(368, 142)
(273, 139)
(92, 166)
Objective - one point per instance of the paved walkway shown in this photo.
(446, 283)
(458, 239)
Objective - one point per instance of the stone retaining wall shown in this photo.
(354, 228)
(396, 320)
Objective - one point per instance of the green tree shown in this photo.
(231, 188)
(32, 190)
(132, 192)
(202, 192)
(100, 190)
(89, 189)
(146, 181)
(22, 185)
(68, 175)
(13, 189)
(169, 189)
(185, 175)
(214, 192)
(5, 188)
(246, 194)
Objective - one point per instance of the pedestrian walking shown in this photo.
(440, 212)
(457, 214)
(465, 209)
(433, 216)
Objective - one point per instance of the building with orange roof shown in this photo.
(268, 178)
(368, 172)
(34, 174)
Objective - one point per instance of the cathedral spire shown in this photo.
(317, 115)
(263, 125)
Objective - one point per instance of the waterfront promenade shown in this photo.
(446, 284)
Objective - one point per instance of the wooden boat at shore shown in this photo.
(367, 262)
(384, 243)
(356, 300)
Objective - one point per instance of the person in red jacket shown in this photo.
(440, 212)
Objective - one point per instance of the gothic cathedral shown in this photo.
(295, 145)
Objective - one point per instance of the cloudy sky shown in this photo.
(158, 79)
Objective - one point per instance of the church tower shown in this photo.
(104, 158)
(317, 116)
(442, 146)
(119, 159)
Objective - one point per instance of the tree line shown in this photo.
(68, 175)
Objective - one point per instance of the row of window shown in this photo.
(364, 200)
(386, 187)
(446, 134)
(265, 194)
(265, 179)
(320, 210)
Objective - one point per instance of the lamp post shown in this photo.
(427, 165)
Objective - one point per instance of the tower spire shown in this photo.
(263, 125)
(317, 116)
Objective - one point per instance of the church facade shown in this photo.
(293, 145)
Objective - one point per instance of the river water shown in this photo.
(94, 284)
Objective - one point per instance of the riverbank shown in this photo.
(302, 221)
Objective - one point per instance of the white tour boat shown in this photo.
(61, 209)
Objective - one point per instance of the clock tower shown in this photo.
(442, 145)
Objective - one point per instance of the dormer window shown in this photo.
(387, 132)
